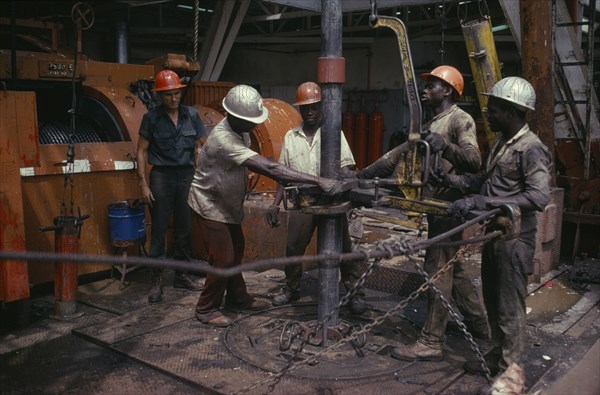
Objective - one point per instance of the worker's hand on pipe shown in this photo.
(331, 187)
(347, 173)
(437, 143)
(147, 196)
(460, 208)
(273, 216)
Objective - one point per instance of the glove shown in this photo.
(273, 216)
(331, 187)
(438, 177)
(460, 208)
(436, 142)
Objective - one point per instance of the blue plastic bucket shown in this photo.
(126, 223)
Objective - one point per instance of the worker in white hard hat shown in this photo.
(518, 172)
(217, 195)
(301, 150)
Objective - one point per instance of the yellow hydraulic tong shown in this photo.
(413, 169)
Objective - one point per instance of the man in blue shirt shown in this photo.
(169, 141)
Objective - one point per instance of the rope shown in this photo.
(196, 27)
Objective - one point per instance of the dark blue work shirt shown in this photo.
(170, 145)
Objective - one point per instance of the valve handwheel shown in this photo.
(82, 15)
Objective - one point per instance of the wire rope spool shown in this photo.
(59, 133)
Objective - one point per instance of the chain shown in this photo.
(315, 330)
(442, 18)
(461, 253)
(196, 27)
(392, 248)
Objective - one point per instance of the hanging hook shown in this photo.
(373, 15)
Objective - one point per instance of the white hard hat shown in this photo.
(244, 102)
(515, 90)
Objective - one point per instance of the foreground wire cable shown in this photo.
(388, 250)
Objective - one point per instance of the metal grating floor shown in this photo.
(124, 345)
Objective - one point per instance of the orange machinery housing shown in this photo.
(34, 130)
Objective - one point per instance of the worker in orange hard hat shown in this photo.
(169, 140)
(451, 133)
(301, 150)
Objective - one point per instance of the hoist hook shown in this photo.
(373, 15)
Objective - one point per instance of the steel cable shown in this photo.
(383, 250)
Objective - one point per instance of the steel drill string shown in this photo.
(202, 266)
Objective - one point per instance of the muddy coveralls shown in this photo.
(519, 167)
(461, 156)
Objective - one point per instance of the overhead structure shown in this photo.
(220, 37)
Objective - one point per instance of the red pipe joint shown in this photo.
(331, 70)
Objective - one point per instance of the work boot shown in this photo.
(285, 296)
(215, 318)
(187, 281)
(357, 305)
(156, 289)
(491, 360)
(417, 352)
(257, 305)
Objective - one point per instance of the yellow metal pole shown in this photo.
(484, 62)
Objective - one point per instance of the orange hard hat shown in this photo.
(448, 74)
(167, 80)
(308, 93)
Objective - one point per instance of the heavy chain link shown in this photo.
(461, 253)
(315, 330)
(392, 248)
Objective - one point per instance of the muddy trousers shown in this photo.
(224, 244)
(300, 230)
(505, 266)
(454, 283)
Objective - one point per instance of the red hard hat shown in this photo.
(167, 80)
(308, 93)
(448, 74)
